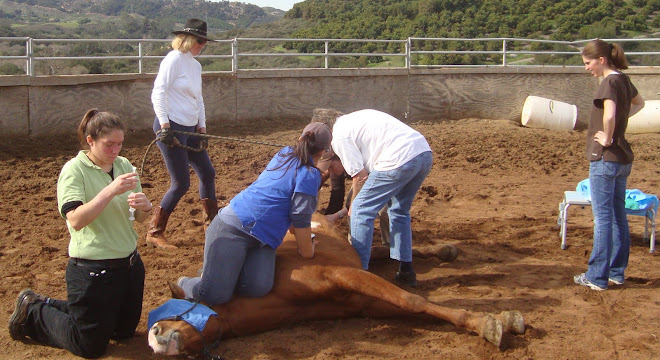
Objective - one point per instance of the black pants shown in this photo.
(103, 303)
(337, 191)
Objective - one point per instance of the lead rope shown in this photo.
(207, 136)
(201, 148)
(206, 349)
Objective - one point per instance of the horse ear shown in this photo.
(177, 291)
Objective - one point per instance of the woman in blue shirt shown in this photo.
(239, 253)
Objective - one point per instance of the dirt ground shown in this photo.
(493, 192)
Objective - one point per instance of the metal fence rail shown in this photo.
(417, 52)
(505, 52)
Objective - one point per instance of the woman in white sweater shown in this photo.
(179, 105)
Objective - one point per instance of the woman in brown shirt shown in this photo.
(611, 160)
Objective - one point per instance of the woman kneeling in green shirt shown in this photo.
(99, 195)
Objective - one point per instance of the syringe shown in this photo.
(131, 209)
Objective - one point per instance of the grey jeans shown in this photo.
(235, 263)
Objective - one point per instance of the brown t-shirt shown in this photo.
(618, 88)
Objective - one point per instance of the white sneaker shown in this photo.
(179, 281)
(615, 282)
(582, 280)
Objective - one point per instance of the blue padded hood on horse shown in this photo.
(194, 314)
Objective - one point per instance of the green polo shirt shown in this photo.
(111, 234)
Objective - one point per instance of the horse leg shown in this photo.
(361, 282)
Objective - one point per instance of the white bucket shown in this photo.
(646, 120)
(548, 114)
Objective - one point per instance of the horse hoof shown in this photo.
(513, 322)
(492, 330)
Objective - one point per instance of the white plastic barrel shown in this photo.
(646, 120)
(548, 114)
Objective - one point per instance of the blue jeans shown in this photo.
(609, 257)
(400, 186)
(177, 161)
(235, 263)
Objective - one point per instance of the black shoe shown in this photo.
(17, 320)
(407, 278)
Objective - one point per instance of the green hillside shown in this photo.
(359, 19)
(565, 20)
(554, 19)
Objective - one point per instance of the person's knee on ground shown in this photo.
(92, 348)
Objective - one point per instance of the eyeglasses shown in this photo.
(201, 41)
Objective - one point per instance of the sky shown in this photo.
(278, 4)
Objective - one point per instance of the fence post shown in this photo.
(504, 52)
(234, 56)
(326, 54)
(29, 65)
(408, 57)
(140, 57)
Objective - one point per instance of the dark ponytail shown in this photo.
(96, 124)
(619, 57)
(303, 150)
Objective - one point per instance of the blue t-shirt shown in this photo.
(265, 206)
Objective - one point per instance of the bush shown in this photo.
(11, 69)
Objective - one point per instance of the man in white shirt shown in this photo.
(388, 161)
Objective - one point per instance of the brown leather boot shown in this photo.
(210, 211)
(156, 233)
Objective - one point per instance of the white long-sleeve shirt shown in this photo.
(374, 140)
(177, 93)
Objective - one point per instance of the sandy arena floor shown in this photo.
(493, 192)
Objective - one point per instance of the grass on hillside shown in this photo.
(390, 61)
(63, 24)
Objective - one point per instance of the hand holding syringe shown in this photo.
(131, 209)
(137, 200)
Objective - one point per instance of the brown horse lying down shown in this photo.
(332, 285)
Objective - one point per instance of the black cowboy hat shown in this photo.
(195, 27)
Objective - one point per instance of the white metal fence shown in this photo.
(416, 52)
(506, 53)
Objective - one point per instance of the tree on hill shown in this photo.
(391, 19)
(558, 19)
